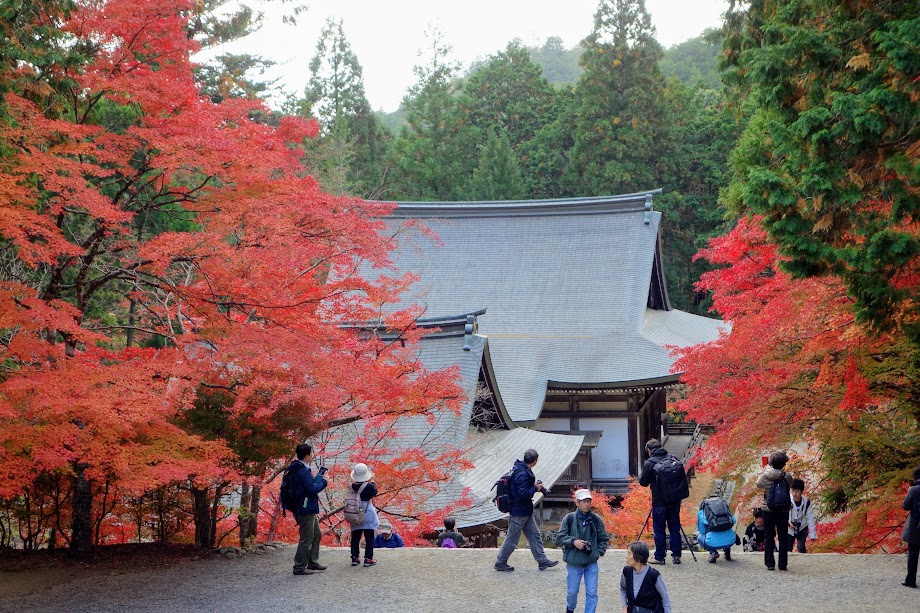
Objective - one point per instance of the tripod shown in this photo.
(684, 534)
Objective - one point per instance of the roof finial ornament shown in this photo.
(468, 331)
(648, 209)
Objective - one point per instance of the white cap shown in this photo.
(583, 495)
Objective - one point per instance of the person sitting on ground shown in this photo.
(387, 539)
(754, 534)
(712, 540)
(450, 538)
(640, 584)
(801, 517)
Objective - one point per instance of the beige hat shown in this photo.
(361, 473)
(583, 495)
(385, 528)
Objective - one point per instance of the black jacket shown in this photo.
(648, 478)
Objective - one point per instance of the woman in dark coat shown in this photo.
(911, 534)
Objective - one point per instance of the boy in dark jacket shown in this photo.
(584, 538)
(306, 559)
(911, 533)
(523, 486)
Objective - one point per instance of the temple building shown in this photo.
(557, 314)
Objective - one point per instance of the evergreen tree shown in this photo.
(560, 65)
(498, 176)
(830, 156)
(228, 75)
(435, 152)
(695, 61)
(546, 157)
(348, 157)
(702, 132)
(619, 110)
(508, 94)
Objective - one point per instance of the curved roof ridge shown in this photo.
(505, 208)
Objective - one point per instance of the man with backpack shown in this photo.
(300, 495)
(716, 526)
(777, 486)
(522, 486)
(666, 477)
(584, 539)
(450, 538)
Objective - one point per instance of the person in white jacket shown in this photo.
(801, 517)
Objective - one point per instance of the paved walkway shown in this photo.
(429, 580)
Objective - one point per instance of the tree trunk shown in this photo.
(273, 525)
(81, 542)
(204, 532)
(253, 529)
(243, 513)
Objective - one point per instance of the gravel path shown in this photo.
(429, 580)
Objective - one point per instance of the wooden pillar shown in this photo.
(634, 448)
(573, 412)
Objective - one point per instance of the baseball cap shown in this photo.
(583, 495)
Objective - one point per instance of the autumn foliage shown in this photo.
(171, 292)
(799, 372)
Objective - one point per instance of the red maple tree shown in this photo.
(798, 372)
(177, 283)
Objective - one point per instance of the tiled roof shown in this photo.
(493, 453)
(565, 284)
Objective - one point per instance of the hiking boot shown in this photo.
(675, 560)
(656, 561)
(316, 566)
(728, 556)
(504, 568)
(771, 568)
(569, 611)
(303, 571)
(355, 560)
(369, 562)
(548, 564)
(713, 557)
(906, 584)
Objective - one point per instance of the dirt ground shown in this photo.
(428, 580)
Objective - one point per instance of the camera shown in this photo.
(545, 491)
(588, 547)
(797, 527)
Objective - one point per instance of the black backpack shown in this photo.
(672, 480)
(291, 496)
(718, 516)
(778, 496)
(502, 489)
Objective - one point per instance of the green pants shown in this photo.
(308, 547)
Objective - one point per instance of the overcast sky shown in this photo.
(386, 35)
